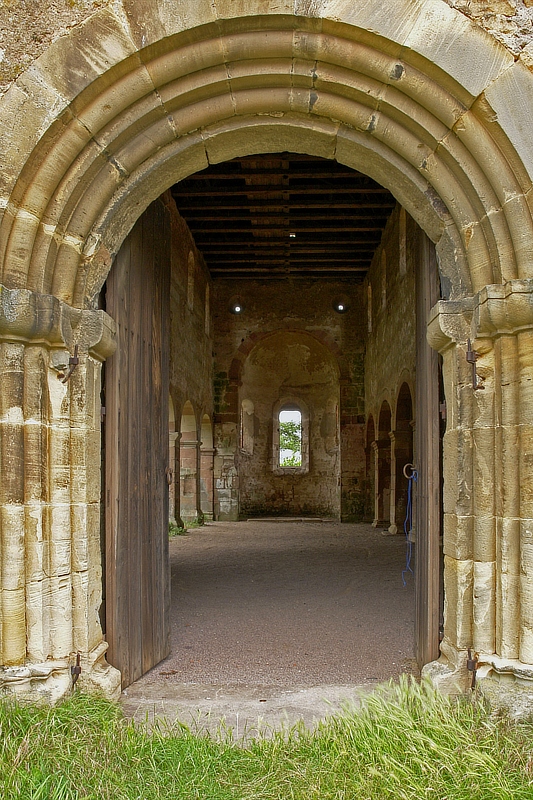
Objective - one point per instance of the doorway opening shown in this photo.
(300, 403)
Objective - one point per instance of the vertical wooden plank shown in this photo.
(428, 489)
(148, 480)
(160, 377)
(133, 476)
(116, 401)
(137, 451)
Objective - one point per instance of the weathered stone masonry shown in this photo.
(141, 94)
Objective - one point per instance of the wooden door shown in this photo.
(136, 445)
(427, 461)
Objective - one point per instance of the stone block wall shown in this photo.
(191, 366)
(28, 28)
(252, 363)
(390, 359)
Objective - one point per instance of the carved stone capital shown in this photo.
(504, 309)
(41, 318)
(449, 322)
(498, 309)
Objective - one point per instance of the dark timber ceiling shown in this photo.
(271, 215)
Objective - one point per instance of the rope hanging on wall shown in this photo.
(408, 523)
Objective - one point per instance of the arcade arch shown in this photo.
(114, 113)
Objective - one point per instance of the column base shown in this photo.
(51, 681)
(506, 684)
(449, 673)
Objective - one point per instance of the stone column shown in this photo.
(393, 526)
(189, 478)
(51, 574)
(206, 481)
(382, 459)
(488, 480)
(173, 500)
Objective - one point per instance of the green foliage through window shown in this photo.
(290, 444)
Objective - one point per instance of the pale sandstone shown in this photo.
(75, 202)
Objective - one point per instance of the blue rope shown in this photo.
(408, 526)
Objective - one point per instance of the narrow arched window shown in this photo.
(290, 437)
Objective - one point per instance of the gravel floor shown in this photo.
(275, 622)
(288, 603)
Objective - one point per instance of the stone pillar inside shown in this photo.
(207, 453)
(173, 509)
(189, 466)
(488, 475)
(50, 370)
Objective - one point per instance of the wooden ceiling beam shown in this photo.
(266, 190)
(208, 254)
(294, 229)
(285, 269)
(290, 174)
(203, 206)
(284, 218)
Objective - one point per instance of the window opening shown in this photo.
(290, 438)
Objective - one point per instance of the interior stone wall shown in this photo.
(390, 356)
(191, 340)
(290, 306)
(191, 360)
(291, 366)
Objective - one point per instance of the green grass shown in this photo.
(176, 530)
(406, 742)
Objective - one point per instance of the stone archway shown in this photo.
(111, 115)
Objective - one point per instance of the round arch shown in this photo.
(421, 100)
(321, 337)
(117, 111)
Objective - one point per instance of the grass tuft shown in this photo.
(405, 742)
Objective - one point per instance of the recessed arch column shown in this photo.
(51, 588)
(488, 511)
